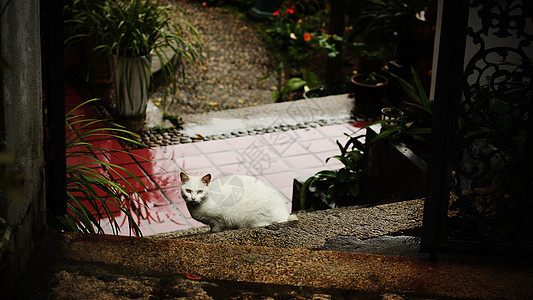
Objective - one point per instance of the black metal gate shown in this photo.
(480, 185)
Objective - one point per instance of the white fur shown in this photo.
(231, 202)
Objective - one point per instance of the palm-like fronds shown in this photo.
(419, 113)
(92, 194)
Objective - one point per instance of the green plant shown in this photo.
(311, 79)
(497, 116)
(92, 194)
(292, 85)
(284, 92)
(419, 113)
(366, 50)
(308, 81)
(333, 188)
(371, 78)
(174, 119)
(138, 28)
(330, 43)
(290, 37)
(159, 128)
(381, 21)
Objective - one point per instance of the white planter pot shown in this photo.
(131, 80)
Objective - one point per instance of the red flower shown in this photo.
(290, 11)
(307, 37)
(276, 13)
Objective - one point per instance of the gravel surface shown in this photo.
(235, 58)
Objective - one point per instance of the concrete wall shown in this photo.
(22, 123)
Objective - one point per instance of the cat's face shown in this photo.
(194, 189)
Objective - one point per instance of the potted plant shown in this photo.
(368, 91)
(390, 117)
(412, 123)
(132, 33)
(405, 29)
(314, 92)
(370, 57)
(389, 23)
(81, 36)
(398, 154)
(335, 188)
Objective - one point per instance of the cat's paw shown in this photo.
(217, 228)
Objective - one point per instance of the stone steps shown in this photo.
(314, 229)
(277, 260)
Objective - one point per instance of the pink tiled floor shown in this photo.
(276, 158)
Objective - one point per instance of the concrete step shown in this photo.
(324, 229)
(271, 262)
(328, 108)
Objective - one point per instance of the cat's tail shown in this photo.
(292, 218)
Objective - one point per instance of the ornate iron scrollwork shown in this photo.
(494, 116)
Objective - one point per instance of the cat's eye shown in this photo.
(188, 191)
(200, 191)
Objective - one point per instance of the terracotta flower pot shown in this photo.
(368, 93)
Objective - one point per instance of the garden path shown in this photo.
(235, 58)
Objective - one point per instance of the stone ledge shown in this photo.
(314, 229)
(268, 262)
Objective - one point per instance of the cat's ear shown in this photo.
(206, 179)
(184, 178)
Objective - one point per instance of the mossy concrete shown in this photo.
(21, 133)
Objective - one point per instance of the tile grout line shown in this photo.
(269, 147)
(264, 145)
(136, 161)
(158, 188)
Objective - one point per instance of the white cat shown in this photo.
(231, 202)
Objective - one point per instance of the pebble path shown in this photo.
(157, 138)
(235, 58)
